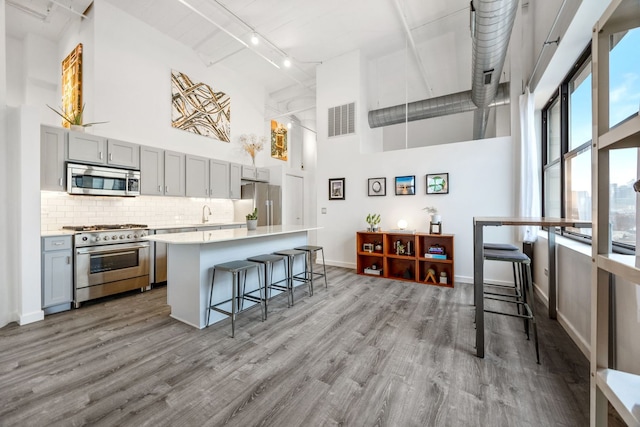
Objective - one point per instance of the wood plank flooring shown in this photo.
(367, 351)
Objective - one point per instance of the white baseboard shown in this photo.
(341, 264)
(578, 339)
(36, 316)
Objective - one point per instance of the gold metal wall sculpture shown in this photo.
(197, 108)
(279, 148)
(72, 84)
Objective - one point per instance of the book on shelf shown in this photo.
(435, 256)
(372, 271)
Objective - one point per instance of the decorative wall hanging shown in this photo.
(252, 144)
(377, 186)
(438, 183)
(336, 188)
(199, 109)
(72, 85)
(279, 144)
(405, 185)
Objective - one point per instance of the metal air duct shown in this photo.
(491, 25)
(433, 107)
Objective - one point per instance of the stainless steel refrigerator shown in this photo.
(268, 199)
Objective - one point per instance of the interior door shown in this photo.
(294, 200)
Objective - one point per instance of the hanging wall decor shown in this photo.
(279, 137)
(437, 183)
(198, 108)
(72, 84)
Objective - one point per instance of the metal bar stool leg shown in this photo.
(213, 276)
(324, 269)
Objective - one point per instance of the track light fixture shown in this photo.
(254, 39)
(286, 62)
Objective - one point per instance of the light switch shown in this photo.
(323, 210)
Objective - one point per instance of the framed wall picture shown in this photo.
(406, 185)
(377, 186)
(438, 183)
(336, 188)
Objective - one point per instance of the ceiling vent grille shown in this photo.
(342, 120)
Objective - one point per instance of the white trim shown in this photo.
(36, 316)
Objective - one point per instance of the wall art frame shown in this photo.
(336, 188)
(437, 183)
(405, 185)
(377, 187)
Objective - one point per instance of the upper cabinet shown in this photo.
(197, 176)
(88, 148)
(52, 170)
(151, 171)
(124, 154)
(235, 171)
(252, 173)
(174, 173)
(218, 179)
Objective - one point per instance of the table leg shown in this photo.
(552, 274)
(478, 284)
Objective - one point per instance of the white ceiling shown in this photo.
(308, 31)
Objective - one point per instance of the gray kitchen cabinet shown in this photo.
(234, 181)
(86, 148)
(218, 179)
(151, 171)
(123, 154)
(174, 173)
(52, 152)
(197, 176)
(262, 174)
(57, 274)
(249, 172)
(252, 173)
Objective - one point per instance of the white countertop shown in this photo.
(58, 233)
(215, 236)
(198, 225)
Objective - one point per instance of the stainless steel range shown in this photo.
(109, 259)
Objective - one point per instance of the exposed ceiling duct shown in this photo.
(433, 107)
(491, 25)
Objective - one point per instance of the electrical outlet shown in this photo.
(323, 210)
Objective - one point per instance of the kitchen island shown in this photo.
(192, 254)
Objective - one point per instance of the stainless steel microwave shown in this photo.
(101, 181)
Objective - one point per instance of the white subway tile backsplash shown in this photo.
(58, 209)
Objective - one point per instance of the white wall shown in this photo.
(481, 177)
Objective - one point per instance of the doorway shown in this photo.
(294, 202)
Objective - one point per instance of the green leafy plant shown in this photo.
(253, 215)
(431, 210)
(73, 118)
(373, 220)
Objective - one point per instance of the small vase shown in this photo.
(252, 224)
(77, 128)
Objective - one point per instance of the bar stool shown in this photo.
(308, 264)
(236, 268)
(516, 288)
(291, 254)
(267, 260)
(527, 301)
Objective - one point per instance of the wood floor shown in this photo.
(367, 351)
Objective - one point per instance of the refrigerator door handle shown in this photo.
(271, 212)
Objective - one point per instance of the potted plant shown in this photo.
(252, 219)
(373, 220)
(433, 212)
(74, 118)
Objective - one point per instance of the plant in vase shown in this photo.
(433, 212)
(252, 219)
(74, 118)
(252, 144)
(373, 220)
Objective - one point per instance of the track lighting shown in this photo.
(254, 39)
(286, 62)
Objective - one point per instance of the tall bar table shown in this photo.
(478, 261)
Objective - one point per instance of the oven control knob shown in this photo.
(95, 239)
(122, 236)
(135, 236)
(114, 238)
(128, 236)
(85, 238)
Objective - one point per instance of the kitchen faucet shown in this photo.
(205, 219)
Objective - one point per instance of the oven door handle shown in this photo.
(119, 248)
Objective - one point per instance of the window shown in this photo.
(567, 127)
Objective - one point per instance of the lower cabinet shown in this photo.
(57, 274)
(420, 257)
